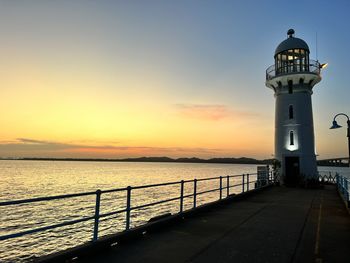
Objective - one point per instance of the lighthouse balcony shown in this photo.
(314, 67)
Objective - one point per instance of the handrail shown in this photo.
(155, 203)
(44, 228)
(343, 187)
(112, 213)
(313, 67)
(208, 179)
(208, 191)
(218, 186)
(327, 177)
(154, 185)
(55, 197)
(47, 198)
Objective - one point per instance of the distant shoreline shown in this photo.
(222, 160)
(241, 160)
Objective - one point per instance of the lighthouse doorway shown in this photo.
(292, 170)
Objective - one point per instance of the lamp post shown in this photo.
(335, 125)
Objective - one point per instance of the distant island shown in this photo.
(241, 160)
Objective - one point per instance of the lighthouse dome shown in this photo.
(291, 43)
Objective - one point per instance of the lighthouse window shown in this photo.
(291, 112)
(291, 138)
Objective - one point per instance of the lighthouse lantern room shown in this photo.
(292, 79)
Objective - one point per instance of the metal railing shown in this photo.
(313, 67)
(343, 187)
(327, 177)
(247, 181)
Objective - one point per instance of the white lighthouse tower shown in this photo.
(292, 79)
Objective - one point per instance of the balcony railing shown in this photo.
(314, 68)
(327, 177)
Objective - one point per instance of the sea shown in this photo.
(29, 179)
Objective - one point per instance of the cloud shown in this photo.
(26, 147)
(212, 112)
(29, 140)
(58, 145)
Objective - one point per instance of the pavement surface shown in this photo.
(278, 224)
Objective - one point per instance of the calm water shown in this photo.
(27, 179)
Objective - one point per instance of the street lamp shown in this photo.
(335, 125)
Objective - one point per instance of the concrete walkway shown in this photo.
(276, 225)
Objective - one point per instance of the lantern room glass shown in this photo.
(292, 60)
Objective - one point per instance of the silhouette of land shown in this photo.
(164, 159)
(241, 160)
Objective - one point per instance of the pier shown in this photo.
(278, 224)
(271, 224)
(265, 222)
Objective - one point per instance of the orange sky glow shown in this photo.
(135, 81)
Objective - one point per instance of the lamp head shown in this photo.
(335, 125)
(324, 65)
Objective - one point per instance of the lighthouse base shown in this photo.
(292, 168)
(298, 170)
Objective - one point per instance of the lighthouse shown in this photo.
(292, 79)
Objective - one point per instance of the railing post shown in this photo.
(333, 178)
(243, 183)
(337, 179)
(346, 189)
(194, 193)
(247, 182)
(182, 196)
(97, 215)
(271, 178)
(228, 185)
(128, 206)
(220, 187)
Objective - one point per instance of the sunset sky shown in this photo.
(114, 79)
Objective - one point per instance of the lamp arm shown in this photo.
(343, 114)
(348, 131)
